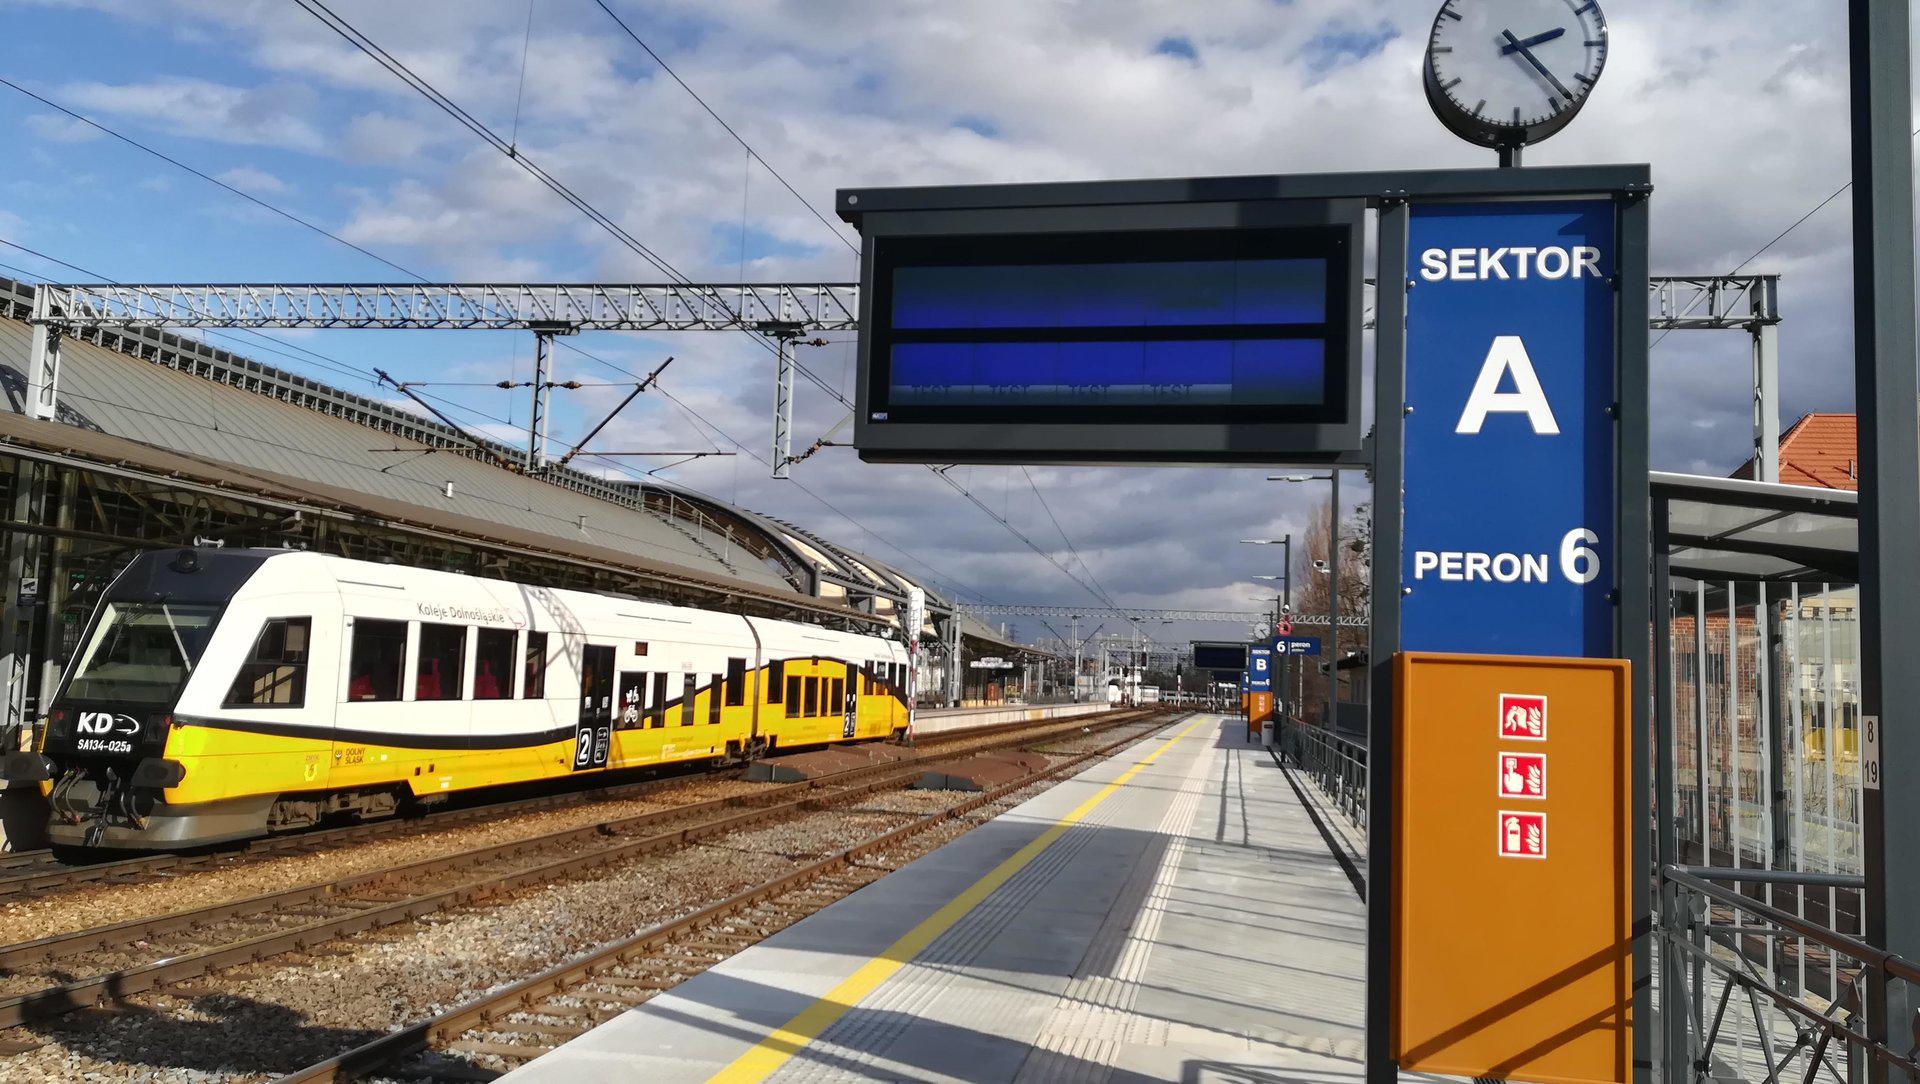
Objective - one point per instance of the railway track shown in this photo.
(39, 871)
(151, 953)
(525, 1019)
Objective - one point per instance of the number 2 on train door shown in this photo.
(591, 740)
(850, 710)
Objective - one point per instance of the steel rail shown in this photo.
(1879, 959)
(526, 994)
(40, 871)
(69, 996)
(128, 870)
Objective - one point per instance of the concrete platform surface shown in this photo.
(1169, 914)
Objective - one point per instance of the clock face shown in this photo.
(1511, 72)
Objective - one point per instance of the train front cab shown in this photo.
(119, 761)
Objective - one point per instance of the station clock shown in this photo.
(1509, 73)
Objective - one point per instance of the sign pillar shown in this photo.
(1511, 353)
(1259, 683)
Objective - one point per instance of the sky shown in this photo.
(1741, 111)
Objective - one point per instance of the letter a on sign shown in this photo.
(1508, 355)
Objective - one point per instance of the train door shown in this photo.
(850, 709)
(593, 731)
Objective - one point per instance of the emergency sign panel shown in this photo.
(1514, 884)
(1510, 429)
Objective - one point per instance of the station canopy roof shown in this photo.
(1734, 529)
(194, 410)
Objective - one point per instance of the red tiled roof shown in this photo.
(1819, 450)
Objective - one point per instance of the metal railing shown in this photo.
(1334, 764)
(1718, 942)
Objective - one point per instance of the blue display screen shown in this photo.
(1195, 320)
(1171, 293)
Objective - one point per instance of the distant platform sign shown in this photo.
(1183, 332)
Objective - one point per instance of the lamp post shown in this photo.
(1286, 591)
(1333, 588)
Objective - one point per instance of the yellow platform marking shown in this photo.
(770, 1053)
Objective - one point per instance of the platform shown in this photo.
(1172, 913)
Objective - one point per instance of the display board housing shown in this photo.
(1196, 332)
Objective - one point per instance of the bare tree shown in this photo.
(1311, 587)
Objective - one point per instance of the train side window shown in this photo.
(534, 662)
(657, 706)
(438, 673)
(713, 701)
(377, 660)
(493, 665)
(793, 696)
(275, 673)
(837, 699)
(688, 686)
(736, 682)
(777, 682)
(813, 698)
(633, 700)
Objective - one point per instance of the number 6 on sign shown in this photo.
(1578, 562)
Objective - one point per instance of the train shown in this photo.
(222, 694)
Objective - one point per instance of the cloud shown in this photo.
(256, 181)
(268, 115)
(59, 128)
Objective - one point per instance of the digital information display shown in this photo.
(1219, 656)
(1219, 319)
(1200, 332)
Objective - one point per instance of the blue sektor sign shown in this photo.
(1510, 442)
(1259, 669)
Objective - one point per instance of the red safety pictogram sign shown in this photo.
(1523, 718)
(1523, 775)
(1284, 628)
(1522, 835)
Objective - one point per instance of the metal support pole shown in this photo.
(23, 592)
(1634, 595)
(1074, 631)
(1287, 662)
(43, 373)
(542, 392)
(1390, 398)
(1766, 384)
(1887, 396)
(954, 670)
(783, 408)
(1675, 1055)
(1333, 609)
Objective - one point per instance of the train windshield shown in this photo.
(142, 652)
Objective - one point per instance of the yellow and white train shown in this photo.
(220, 694)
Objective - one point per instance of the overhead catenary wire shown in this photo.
(373, 50)
(1777, 238)
(509, 148)
(175, 162)
(737, 137)
(364, 375)
(405, 74)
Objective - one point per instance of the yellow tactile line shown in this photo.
(770, 1053)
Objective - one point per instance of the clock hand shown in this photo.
(1516, 45)
(1537, 39)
